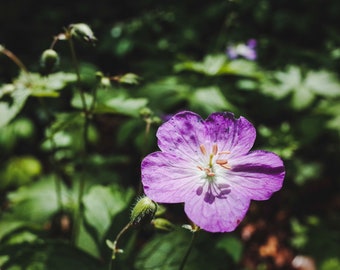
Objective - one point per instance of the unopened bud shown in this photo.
(49, 60)
(193, 228)
(143, 211)
(156, 120)
(83, 32)
(145, 112)
(129, 78)
(163, 224)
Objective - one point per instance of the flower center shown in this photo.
(214, 189)
(214, 157)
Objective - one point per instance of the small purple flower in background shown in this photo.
(245, 50)
(208, 166)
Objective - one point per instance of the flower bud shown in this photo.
(163, 224)
(143, 211)
(129, 78)
(49, 60)
(83, 32)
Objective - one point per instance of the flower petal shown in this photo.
(257, 174)
(231, 134)
(222, 215)
(182, 135)
(168, 178)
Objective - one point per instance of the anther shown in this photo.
(214, 149)
(202, 148)
(224, 152)
(200, 168)
(209, 172)
(221, 161)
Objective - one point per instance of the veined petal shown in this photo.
(168, 178)
(257, 174)
(223, 215)
(231, 134)
(182, 135)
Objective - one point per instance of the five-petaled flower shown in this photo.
(208, 166)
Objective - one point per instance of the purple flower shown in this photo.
(245, 50)
(207, 166)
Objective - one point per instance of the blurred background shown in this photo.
(69, 175)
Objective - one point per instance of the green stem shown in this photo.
(78, 210)
(186, 256)
(115, 243)
(76, 66)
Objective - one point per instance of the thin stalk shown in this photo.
(76, 66)
(186, 256)
(115, 243)
(81, 189)
(14, 58)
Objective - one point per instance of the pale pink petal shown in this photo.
(221, 215)
(231, 134)
(182, 135)
(257, 174)
(168, 178)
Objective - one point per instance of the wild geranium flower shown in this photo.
(208, 166)
(245, 50)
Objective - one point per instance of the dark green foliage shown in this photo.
(72, 135)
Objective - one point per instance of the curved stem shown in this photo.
(14, 58)
(186, 256)
(115, 249)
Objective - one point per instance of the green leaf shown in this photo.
(302, 98)
(35, 203)
(232, 246)
(209, 99)
(119, 104)
(20, 171)
(50, 255)
(17, 96)
(323, 83)
(102, 204)
(164, 252)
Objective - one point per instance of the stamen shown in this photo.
(202, 148)
(224, 152)
(209, 172)
(214, 149)
(225, 166)
(200, 168)
(221, 161)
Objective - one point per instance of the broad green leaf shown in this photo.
(331, 263)
(302, 98)
(211, 65)
(35, 203)
(20, 171)
(120, 104)
(7, 225)
(323, 83)
(17, 96)
(209, 99)
(51, 255)
(127, 106)
(164, 252)
(241, 67)
(232, 246)
(102, 204)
